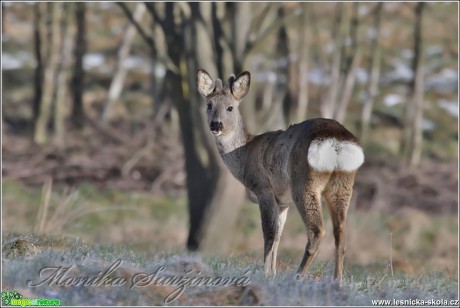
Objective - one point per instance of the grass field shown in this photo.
(402, 255)
(362, 284)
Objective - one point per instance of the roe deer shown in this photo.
(318, 157)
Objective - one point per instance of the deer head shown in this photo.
(222, 101)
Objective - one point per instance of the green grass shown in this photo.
(106, 210)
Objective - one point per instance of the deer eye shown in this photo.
(230, 109)
(209, 106)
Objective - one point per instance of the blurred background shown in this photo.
(103, 135)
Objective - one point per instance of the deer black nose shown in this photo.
(216, 126)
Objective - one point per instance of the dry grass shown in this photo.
(361, 284)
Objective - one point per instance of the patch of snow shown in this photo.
(93, 60)
(271, 77)
(428, 125)
(393, 99)
(160, 71)
(318, 77)
(445, 81)
(134, 62)
(10, 63)
(450, 106)
(361, 75)
(363, 10)
(19, 60)
(401, 72)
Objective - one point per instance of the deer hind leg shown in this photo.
(338, 194)
(307, 198)
(282, 214)
(269, 212)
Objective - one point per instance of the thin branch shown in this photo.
(391, 253)
(208, 28)
(151, 8)
(166, 26)
(254, 43)
(44, 205)
(256, 23)
(145, 36)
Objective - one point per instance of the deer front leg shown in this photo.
(269, 213)
(282, 214)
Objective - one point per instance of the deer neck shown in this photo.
(235, 140)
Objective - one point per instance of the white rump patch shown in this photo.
(331, 154)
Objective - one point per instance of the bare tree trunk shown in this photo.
(204, 54)
(241, 23)
(63, 77)
(38, 74)
(277, 104)
(240, 16)
(350, 75)
(120, 74)
(213, 200)
(267, 96)
(318, 56)
(300, 113)
(374, 73)
(217, 39)
(348, 86)
(79, 73)
(46, 29)
(328, 105)
(282, 72)
(224, 194)
(41, 126)
(156, 83)
(412, 142)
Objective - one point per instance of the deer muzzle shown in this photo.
(216, 128)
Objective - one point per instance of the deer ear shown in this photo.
(240, 86)
(204, 82)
